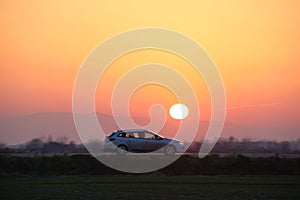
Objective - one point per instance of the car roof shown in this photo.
(136, 130)
(133, 130)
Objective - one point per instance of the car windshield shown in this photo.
(157, 134)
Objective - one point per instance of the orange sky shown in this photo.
(255, 45)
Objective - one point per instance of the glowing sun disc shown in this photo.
(179, 111)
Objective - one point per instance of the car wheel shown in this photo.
(121, 150)
(170, 150)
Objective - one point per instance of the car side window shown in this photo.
(121, 135)
(129, 135)
(138, 135)
(141, 135)
(149, 136)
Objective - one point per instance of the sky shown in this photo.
(254, 44)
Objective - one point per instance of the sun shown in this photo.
(179, 111)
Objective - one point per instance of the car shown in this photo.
(141, 141)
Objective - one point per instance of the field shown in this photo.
(150, 187)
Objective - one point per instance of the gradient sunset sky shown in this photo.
(255, 45)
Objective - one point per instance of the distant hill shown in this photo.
(57, 124)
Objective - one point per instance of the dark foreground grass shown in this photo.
(151, 187)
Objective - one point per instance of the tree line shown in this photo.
(232, 145)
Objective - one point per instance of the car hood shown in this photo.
(171, 140)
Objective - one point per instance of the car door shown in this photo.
(152, 142)
(135, 142)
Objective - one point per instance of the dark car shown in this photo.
(137, 140)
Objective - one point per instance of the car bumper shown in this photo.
(180, 149)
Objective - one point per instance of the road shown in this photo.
(251, 155)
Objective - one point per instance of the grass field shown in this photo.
(151, 187)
